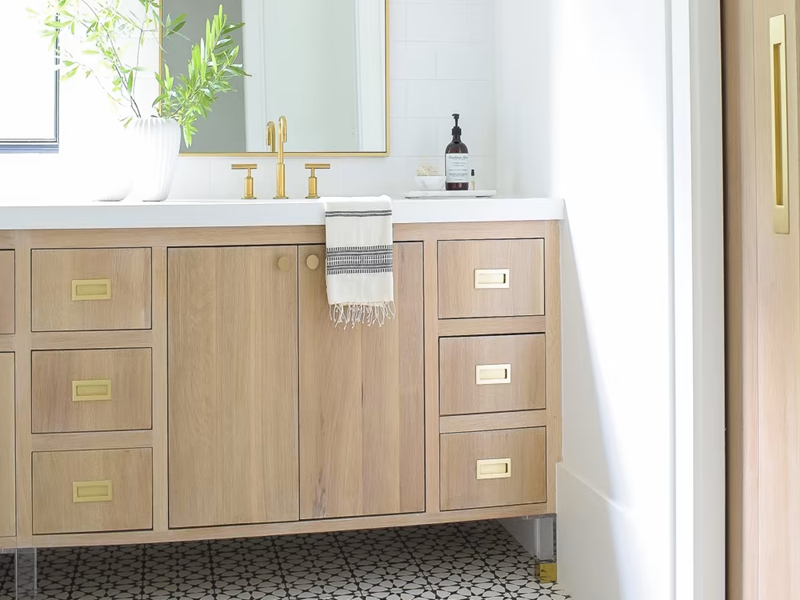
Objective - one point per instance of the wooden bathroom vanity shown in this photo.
(163, 380)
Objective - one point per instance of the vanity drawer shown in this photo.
(93, 490)
(6, 292)
(493, 468)
(91, 390)
(491, 278)
(85, 290)
(491, 374)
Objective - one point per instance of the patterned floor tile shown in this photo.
(479, 560)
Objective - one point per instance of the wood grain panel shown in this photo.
(6, 292)
(459, 357)
(130, 406)
(52, 274)
(129, 471)
(461, 489)
(362, 400)
(288, 528)
(741, 300)
(8, 512)
(232, 320)
(778, 324)
(458, 260)
(485, 422)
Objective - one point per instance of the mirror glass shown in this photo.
(319, 63)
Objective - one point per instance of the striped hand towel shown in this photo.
(359, 260)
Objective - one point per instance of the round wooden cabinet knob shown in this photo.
(312, 262)
(284, 263)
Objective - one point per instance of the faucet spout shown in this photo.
(281, 168)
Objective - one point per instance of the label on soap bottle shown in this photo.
(457, 168)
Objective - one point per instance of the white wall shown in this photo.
(442, 61)
(594, 128)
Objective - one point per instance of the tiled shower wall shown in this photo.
(441, 62)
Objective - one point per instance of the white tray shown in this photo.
(453, 194)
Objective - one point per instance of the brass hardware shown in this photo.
(91, 390)
(492, 374)
(248, 181)
(281, 168)
(284, 263)
(546, 572)
(92, 491)
(780, 126)
(312, 179)
(91, 289)
(312, 262)
(387, 111)
(492, 278)
(493, 468)
(271, 136)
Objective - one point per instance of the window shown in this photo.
(29, 85)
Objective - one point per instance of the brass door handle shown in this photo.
(780, 126)
(493, 468)
(312, 262)
(492, 279)
(284, 263)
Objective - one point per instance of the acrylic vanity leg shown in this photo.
(544, 552)
(26, 573)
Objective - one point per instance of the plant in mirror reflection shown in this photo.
(104, 39)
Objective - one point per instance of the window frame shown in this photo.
(41, 146)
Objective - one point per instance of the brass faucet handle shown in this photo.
(271, 136)
(312, 179)
(248, 181)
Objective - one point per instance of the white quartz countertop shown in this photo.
(22, 215)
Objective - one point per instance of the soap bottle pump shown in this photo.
(456, 157)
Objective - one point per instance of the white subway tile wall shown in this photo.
(441, 61)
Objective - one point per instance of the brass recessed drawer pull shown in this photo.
(780, 125)
(492, 279)
(92, 491)
(284, 263)
(91, 390)
(91, 289)
(493, 468)
(492, 374)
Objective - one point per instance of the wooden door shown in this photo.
(8, 518)
(762, 298)
(232, 321)
(361, 400)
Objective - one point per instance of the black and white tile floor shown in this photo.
(448, 562)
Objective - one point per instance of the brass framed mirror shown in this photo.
(323, 64)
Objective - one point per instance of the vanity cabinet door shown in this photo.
(361, 399)
(7, 489)
(232, 385)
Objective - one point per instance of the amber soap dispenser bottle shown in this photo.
(456, 161)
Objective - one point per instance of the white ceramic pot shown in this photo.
(156, 144)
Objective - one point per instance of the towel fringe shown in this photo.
(368, 314)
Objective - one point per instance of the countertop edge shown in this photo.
(203, 213)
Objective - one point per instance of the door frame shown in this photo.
(698, 363)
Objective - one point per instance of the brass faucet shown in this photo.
(281, 168)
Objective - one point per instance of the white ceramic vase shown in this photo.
(156, 144)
